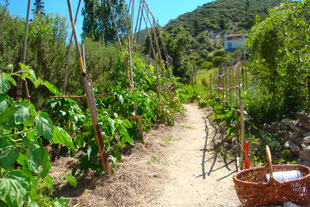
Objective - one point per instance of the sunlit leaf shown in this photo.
(21, 114)
(52, 88)
(44, 125)
(14, 188)
(4, 84)
(8, 156)
(71, 180)
(61, 137)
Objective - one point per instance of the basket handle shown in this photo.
(269, 161)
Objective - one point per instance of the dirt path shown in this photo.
(186, 184)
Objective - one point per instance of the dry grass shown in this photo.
(133, 184)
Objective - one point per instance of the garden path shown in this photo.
(189, 181)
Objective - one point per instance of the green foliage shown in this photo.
(207, 65)
(12, 31)
(24, 162)
(279, 48)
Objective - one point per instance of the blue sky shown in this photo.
(163, 10)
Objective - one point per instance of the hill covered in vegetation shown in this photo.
(206, 25)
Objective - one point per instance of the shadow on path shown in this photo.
(214, 157)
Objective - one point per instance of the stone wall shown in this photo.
(295, 137)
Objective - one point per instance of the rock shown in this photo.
(307, 140)
(306, 134)
(292, 124)
(302, 162)
(302, 115)
(292, 147)
(287, 144)
(290, 204)
(288, 136)
(307, 149)
(299, 130)
(281, 133)
(299, 141)
(275, 126)
(284, 124)
(294, 136)
(306, 124)
(304, 146)
(305, 154)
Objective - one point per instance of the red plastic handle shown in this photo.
(247, 160)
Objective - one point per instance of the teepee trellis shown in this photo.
(143, 13)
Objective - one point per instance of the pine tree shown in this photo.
(98, 22)
(39, 7)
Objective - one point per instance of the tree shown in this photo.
(279, 48)
(39, 7)
(98, 22)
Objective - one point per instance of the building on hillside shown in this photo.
(234, 41)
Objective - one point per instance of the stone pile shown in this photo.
(295, 137)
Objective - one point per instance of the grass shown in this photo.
(168, 140)
(201, 74)
(185, 126)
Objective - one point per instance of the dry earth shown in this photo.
(192, 182)
(171, 169)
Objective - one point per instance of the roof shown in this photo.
(234, 35)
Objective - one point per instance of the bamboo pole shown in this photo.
(226, 80)
(218, 81)
(90, 99)
(229, 82)
(154, 30)
(154, 54)
(210, 85)
(246, 73)
(242, 72)
(69, 51)
(242, 133)
(23, 57)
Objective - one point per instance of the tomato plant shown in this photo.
(24, 161)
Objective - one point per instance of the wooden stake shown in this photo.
(242, 133)
(210, 85)
(229, 80)
(239, 83)
(69, 51)
(90, 100)
(23, 57)
(246, 73)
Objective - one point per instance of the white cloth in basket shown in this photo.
(285, 175)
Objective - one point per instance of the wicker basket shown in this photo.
(253, 189)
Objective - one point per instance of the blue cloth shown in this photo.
(285, 175)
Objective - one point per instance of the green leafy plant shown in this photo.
(24, 161)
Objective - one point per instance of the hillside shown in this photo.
(206, 25)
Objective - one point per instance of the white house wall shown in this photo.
(235, 44)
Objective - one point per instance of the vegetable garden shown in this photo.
(105, 109)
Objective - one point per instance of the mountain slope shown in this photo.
(206, 25)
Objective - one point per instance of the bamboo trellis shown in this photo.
(144, 13)
(230, 82)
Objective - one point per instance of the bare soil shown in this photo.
(173, 168)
